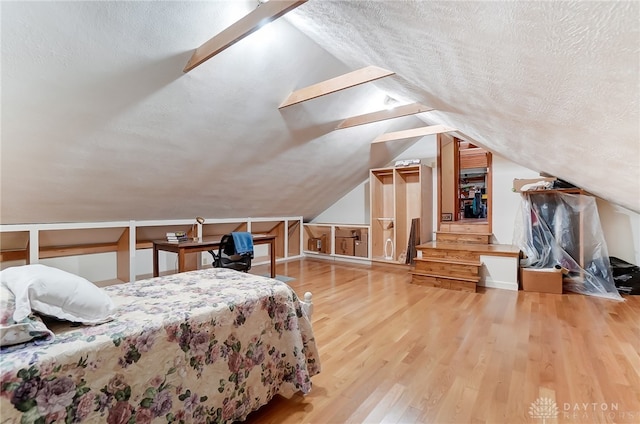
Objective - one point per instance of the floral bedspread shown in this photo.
(202, 346)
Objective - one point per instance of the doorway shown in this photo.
(464, 182)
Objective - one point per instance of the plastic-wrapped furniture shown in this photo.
(562, 228)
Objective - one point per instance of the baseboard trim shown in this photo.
(338, 258)
(494, 284)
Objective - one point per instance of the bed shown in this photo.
(202, 346)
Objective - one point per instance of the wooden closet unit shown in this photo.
(398, 195)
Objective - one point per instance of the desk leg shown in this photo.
(272, 249)
(181, 264)
(156, 271)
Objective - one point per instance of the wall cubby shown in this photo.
(123, 249)
(398, 195)
(337, 240)
(317, 239)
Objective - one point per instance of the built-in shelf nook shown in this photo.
(398, 196)
(128, 244)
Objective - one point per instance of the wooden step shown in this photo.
(455, 266)
(431, 280)
(449, 261)
(456, 237)
(506, 250)
(465, 227)
(448, 267)
(453, 251)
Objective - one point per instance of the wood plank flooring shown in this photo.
(393, 352)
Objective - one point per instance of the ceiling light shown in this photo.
(390, 102)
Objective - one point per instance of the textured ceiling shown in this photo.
(553, 86)
(99, 122)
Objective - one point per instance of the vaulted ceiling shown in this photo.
(99, 121)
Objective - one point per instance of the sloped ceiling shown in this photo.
(553, 86)
(99, 122)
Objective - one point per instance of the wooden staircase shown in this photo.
(453, 260)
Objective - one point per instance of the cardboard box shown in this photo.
(345, 246)
(360, 248)
(318, 244)
(542, 280)
(343, 232)
(315, 244)
(519, 182)
(324, 245)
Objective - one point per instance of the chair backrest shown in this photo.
(227, 256)
(227, 246)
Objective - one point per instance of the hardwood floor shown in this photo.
(394, 352)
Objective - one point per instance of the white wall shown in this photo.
(93, 267)
(103, 266)
(506, 203)
(352, 208)
(621, 228)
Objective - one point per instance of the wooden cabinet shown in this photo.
(399, 195)
(472, 157)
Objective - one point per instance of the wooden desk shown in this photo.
(208, 243)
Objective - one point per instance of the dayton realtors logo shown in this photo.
(601, 411)
(546, 409)
(543, 408)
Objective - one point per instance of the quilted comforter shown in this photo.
(202, 346)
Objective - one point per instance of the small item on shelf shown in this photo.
(402, 257)
(407, 162)
(388, 249)
(520, 184)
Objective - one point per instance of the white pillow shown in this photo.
(57, 293)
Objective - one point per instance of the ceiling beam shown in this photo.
(247, 25)
(351, 79)
(416, 132)
(381, 115)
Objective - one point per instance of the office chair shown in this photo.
(228, 257)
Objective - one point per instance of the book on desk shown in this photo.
(177, 236)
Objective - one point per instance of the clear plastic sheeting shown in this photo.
(563, 230)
